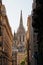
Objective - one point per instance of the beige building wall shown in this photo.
(6, 38)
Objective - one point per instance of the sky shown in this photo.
(13, 10)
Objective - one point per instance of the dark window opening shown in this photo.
(20, 38)
(0, 31)
(23, 38)
(0, 43)
(0, 61)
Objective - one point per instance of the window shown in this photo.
(23, 37)
(20, 38)
(0, 43)
(0, 61)
(0, 31)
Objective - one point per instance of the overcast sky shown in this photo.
(13, 9)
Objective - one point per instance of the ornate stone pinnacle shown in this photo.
(21, 21)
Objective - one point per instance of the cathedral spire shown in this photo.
(21, 21)
(0, 1)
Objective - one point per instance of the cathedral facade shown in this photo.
(21, 35)
(20, 41)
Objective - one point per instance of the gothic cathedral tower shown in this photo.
(21, 35)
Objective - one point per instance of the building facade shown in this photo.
(14, 50)
(29, 40)
(20, 41)
(37, 18)
(5, 38)
(21, 35)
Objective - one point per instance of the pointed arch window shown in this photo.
(23, 38)
(20, 38)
